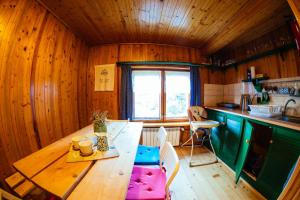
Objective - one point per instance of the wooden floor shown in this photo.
(214, 181)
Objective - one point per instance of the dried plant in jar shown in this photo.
(99, 118)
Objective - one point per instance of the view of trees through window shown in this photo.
(160, 94)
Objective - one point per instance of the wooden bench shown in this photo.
(6, 195)
(19, 184)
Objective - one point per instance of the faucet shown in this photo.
(285, 107)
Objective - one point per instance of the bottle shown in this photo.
(252, 70)
(296, 92)
(248, 75)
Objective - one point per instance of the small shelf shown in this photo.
(280, 80)
(256, 80)
(257, 83)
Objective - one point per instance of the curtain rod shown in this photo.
(187, 64)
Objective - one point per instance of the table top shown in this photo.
(48, 169)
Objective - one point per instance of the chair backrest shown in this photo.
(197, 113)
(161, 137)
(169, 161)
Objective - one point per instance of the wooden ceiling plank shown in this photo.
(194, 23)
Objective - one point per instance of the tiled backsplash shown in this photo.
(215, 93)
(293, 109)
(280, 99)
(233, 92)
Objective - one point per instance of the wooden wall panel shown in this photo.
(55, 82)
(280, 65)
(82, 86)
(108, 54)
(39, 66)
(275, 66)
(156, 52)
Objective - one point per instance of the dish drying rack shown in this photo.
(265, 110)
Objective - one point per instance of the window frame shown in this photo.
(163, 101)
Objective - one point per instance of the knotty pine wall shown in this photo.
(286, 64)
(275, 66)
(108, 54)
(41, 62)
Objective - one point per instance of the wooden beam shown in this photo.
(295, 6)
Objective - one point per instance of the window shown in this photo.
(160, 95)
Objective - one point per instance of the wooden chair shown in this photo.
(19, 184)
(153, 182)
(170, 163)
(149, 155)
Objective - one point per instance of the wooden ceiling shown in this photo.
(206, 24)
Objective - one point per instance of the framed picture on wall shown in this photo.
(104, 77)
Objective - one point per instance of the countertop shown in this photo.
(273, 121)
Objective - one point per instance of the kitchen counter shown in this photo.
(273, 121)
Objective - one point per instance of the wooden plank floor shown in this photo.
(207, 182)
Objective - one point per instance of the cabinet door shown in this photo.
(231, 140)
(217, 132)
(245, 145)
(282, 155)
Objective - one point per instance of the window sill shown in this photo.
(166, 124)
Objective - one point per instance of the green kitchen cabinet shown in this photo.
(244, 149)
(241, 141)
(231, 139)
(282, 155)
(217, 132)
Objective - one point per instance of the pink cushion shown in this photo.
(146, 183)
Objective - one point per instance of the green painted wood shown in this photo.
(231, 139)
(217, 132)
(282, 155)
(186, 64)
(245, 145)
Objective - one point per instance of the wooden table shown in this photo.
(102, 179)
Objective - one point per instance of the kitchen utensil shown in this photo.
(265, 98)
(245, 101)
(228, 105)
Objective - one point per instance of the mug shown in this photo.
(75, 142)
(86, 147)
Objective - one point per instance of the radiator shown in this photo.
(149, 138)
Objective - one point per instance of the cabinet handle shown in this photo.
(247, 141)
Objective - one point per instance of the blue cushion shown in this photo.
(147, 155)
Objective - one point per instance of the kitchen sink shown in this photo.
(290, 119)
